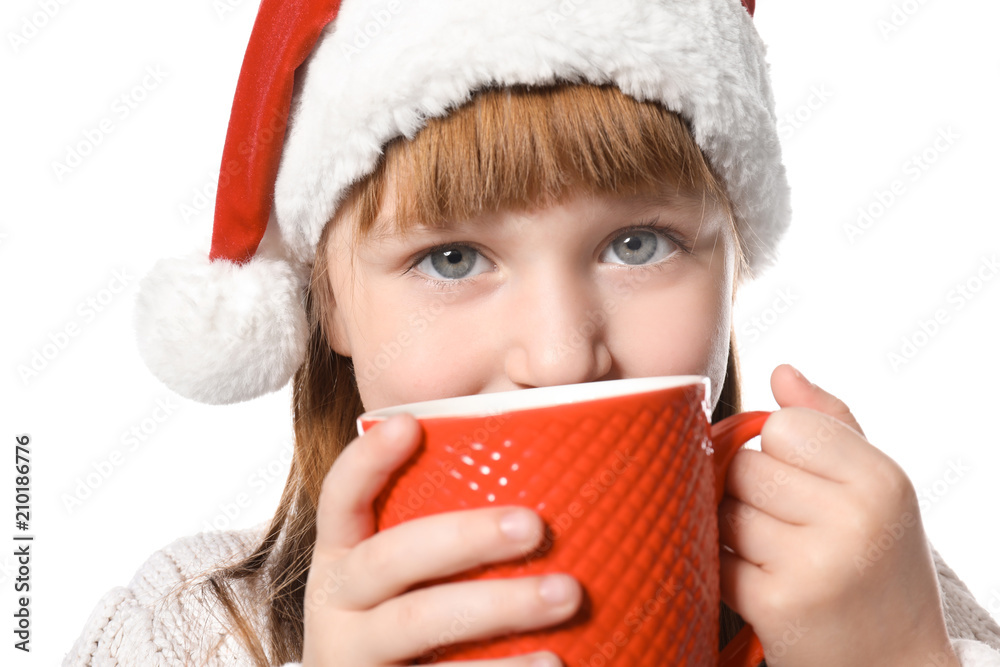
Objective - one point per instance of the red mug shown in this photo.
(627, 475)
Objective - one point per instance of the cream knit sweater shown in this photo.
(160, 619)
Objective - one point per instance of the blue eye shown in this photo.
(451, 263)
(639, 246)
(636, 246)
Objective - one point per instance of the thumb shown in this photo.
(792, 389)
(344, 514)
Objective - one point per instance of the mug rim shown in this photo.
(494, 403)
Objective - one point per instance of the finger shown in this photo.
(393, 560)
(740, 583)
(530, 660)
(751, 534)
(792, 389)
(817, 443)
(429, 618)
(777, 488)
(544, 659)
(345, 516)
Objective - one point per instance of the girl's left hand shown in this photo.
(829, 561)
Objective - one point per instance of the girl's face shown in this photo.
(596, 288)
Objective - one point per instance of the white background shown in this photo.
(857, 104)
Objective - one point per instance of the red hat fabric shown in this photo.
(283, 36)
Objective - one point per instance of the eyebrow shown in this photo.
(637, 204)
(678, 200)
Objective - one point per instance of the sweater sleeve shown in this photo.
(975, 654)
(160, 618)
(974, 634)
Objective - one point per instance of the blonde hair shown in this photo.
(508, 148)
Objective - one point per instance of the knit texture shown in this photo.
(163, 619)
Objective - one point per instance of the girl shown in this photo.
(476, 198)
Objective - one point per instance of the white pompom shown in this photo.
(218, 332)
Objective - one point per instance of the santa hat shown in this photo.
(232, 326)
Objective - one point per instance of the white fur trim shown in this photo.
(377, 74)
(218, 332)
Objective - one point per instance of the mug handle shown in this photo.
(743, 650)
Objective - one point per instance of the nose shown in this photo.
(558, 332)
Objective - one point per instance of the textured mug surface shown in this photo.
(627, 487)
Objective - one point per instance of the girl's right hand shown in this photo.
(359, 611)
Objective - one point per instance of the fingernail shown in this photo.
(394, 427)
(545, 660)
(556, 589)
(799, 374)
(517, 525)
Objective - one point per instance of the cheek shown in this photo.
(677, 334)
(417, 355)
(680, 330)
